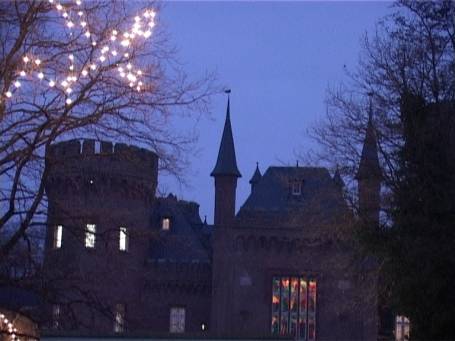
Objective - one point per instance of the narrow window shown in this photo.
(166, 224)
(294, 308)
(119, 318)
(90, 236)
(177, 320)
(97, 147)
(123, 239)
(402, 328)
(56, 316)
(58, 230)
(296, 188)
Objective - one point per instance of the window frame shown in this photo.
(90, 236)
(296, 184)
(119, 318)
(169, 221)
(123, 231)
(57, 237)
(176, 326)
(310, 316)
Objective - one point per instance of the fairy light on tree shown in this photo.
(75, 21)
(7, 329)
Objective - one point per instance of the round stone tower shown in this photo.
(100, 199)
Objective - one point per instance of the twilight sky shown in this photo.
(278, 58)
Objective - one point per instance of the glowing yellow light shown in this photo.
(64, 83)
(17, 84)
(139, 72)
(93, 43)
(126, 55)
(102, 58)
(69, 101)
(71, 57)
(80, 13)
(122, 74)
(37, 61)
(71, 67)
(51, 1)
(131, 84)
(114, 53)
(70, 24)
(125, 42)
(137, 18)
(129, 66)
(139, 83)
(78, 2)
(74, 78)
(104, 49)
(113, 38)
(87, 34)
(65, 15)
(59, 7)
(51, 84)
(22, 73)
(83, 24)
(40, 75)
(126, 34)
(8, 94)
(69, 90)
(25, 59)
(84, 72)
(93, 66)
(147, 34)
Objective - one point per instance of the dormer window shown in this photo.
(166, 224)
(296, 187)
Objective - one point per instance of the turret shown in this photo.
(255, 178)
(337, 179)
(369, 177)
(225, 174)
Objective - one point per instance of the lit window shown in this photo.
(294, 308)
(119, 318)
(402, 328)
(177, 320)
(123, 239)
(90, 235)
(56, 316)
(296, 188)
(203, 327)
(58, 230)
(166, 224)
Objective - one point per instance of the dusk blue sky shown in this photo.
(278, 58)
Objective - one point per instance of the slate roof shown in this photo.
(320, 195)
(226, 163)
(188, 239)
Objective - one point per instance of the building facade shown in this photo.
(124, 261)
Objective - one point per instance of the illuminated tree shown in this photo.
(102, 69)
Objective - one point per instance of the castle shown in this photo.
(123, 261)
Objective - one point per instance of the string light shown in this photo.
(141, 27)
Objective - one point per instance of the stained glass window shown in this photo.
(294, 307)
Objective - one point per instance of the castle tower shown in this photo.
(369, 176)
(99, 204)
(225, 174)
(255, 178)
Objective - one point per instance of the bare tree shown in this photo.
(77, 69)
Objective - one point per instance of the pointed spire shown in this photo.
(256, 176)
(338, 179)
(226, 163)
(369, 160)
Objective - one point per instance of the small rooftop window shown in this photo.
(296, 187)
(166, 224)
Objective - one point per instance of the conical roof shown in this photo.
(256, 176)
(369, 167)
(226, 163)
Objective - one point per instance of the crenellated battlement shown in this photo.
(76, 163)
